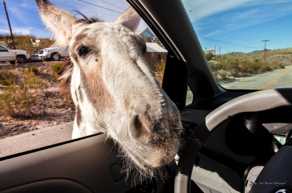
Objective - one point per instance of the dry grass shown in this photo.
(7, 78)
(57, 68)
(19, 97)
(231, 66)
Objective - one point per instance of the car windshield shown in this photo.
(247, 43)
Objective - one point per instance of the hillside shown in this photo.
(25, 42)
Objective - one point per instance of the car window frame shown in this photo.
(3, 49)
(66, 141)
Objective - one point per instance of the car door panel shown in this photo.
(49, 186)
(3, 54)
(91, 162)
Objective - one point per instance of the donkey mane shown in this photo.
(87, 20)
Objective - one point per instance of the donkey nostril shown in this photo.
(138, 128)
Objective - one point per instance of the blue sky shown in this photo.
(25, 18)
(241, 25)
(229, 25)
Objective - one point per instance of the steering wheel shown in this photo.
(276, 176)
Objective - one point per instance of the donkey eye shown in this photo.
(83, 50)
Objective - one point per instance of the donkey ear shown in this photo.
(130, 19)
(58, 21)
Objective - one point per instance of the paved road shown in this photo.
(275, 79)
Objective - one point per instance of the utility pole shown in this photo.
(265, 48)
(265, 44)
(9, 24)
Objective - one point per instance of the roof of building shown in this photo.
(153, 47)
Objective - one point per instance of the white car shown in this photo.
(13, 55)
(52, 53)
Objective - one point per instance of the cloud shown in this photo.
(268, 2)
(107, 10)
(17, 30)
(25, 18)
(201, 8)
(42, 33)
(251, 14)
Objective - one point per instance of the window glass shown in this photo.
(35, 99)
(247, 42)
(2, 49)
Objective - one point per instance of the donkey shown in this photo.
(113, 87)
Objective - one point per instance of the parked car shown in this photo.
(13, 55)
(54, 53)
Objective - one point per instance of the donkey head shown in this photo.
(114, 88)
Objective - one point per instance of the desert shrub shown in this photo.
(18, 99)
(229, 66)
(16, 102)
(31, 80)
(34, 70)
(57, 68)
(7, 78)
(210, 56)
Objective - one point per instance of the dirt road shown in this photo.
(274, 79)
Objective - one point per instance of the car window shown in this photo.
(36, 106)
(2, 49)
(247, 43)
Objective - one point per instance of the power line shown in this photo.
(111, 4)
(100, 6)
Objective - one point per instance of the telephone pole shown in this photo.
(265, 44)
(9, 24)
(265, 48)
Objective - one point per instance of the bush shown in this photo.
(19, 98)
(7, 78)
(240, 66)
(210, 56)
(57, 68)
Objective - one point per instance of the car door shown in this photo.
(83, 166)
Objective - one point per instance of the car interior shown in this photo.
(227, 144)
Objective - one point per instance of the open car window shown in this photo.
(247, 43)
(36, 108)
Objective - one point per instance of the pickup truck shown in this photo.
(13, 55)
(54, 53)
